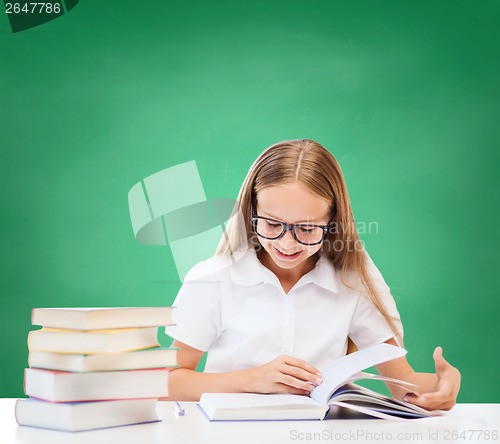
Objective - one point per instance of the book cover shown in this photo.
(84, 416)
(141, 359)
(102, 317)
(57, 386)
(94, 341)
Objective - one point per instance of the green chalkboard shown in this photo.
(404, 93)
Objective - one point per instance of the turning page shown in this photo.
(339, 371)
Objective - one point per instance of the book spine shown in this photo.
(24, 382)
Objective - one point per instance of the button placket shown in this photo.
(289, 324)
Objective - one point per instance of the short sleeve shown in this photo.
(196, 314)
(368, 325)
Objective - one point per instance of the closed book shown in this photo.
(56, 386)
(102, 318)
(81, 416)
(149, 358)
(93, 341)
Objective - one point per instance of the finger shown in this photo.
(301, 374)
(294, 382)
(439, 361)
(429, 401)
(283, 388)
(296, 362)
(435, 405)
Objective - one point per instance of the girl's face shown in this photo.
(291, 203)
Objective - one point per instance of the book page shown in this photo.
(257, 406)
(375, 377)
(369, 411)
(355, 394)
(340, 370)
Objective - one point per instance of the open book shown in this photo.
(337, 389)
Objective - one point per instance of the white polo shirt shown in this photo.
(239, 313)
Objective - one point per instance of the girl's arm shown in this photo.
(285, 374)
(434, 390)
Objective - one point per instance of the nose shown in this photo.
(287, 241)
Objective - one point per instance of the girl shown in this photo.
(289, 289)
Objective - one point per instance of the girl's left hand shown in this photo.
(448, 386)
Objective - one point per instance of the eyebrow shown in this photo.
(312, 222)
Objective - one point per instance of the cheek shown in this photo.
(265, 244)
(311, 249)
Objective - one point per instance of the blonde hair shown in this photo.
(307, 162)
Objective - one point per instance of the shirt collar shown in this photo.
(248, 271)
(323, 275)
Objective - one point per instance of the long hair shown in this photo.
(307, 162)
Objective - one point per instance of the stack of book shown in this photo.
(93, 368)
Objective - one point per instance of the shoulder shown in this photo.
(351, 278)
(240, 268)
(212, 269)
(209, 283)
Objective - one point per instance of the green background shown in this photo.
(405, 95)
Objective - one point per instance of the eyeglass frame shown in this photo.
(291, 227)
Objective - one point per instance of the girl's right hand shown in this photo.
(284, 374)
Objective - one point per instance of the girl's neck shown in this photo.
(287, 277)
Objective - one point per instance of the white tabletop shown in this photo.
(465, 423)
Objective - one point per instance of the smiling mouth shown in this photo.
(287, 255)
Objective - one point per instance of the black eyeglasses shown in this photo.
(305, 234)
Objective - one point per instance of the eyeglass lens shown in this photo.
(307, 234)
